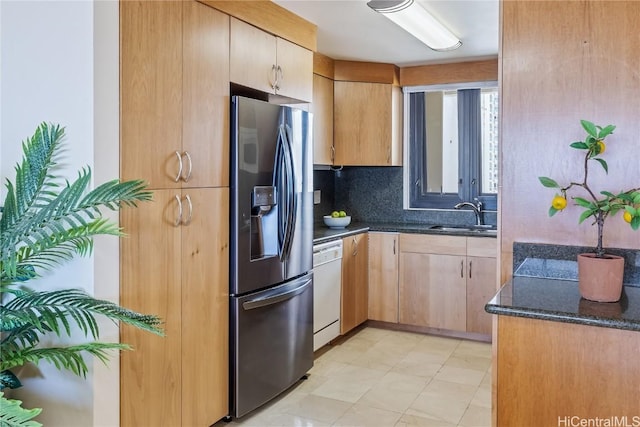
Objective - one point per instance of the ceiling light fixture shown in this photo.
(414, 19)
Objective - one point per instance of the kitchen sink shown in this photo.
(465, 228)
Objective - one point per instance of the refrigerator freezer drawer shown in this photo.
(273, 342)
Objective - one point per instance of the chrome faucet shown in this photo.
(477, 209)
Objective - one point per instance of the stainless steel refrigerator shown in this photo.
(271, 282)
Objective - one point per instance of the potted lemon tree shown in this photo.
(600, 275)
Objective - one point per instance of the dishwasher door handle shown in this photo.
(274, 299)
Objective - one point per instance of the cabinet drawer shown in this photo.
(482, 247)
(429, 244)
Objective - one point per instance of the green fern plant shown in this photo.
(45, 223)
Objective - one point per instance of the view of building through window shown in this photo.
(452, 138)
(489, 156)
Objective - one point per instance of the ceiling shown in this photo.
(350, 30)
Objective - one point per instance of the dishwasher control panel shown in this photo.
(325, 252)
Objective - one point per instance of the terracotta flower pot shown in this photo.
(600, 279)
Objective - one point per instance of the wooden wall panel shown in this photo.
(562, 62)
(370, 72)
(323, 65)
(459, 72)
(272, 18)
(585, 371)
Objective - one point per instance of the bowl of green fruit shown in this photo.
(337, 220)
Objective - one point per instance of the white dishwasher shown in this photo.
(327, 281)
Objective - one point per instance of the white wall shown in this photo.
(59, 64)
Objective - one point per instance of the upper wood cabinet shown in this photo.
(270, 64)
(322, 109)
(367, 124)
(355, 277)
(383, 276)
(174, 94)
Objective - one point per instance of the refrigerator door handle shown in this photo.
(282, 190)
(291, 192)
(274, 299)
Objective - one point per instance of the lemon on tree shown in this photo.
(627, 217)
(559, 202)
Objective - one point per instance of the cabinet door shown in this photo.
(481, 287)
(150, 282)
(205, 306)
(205, 132)
(295, 74)
(252, 57)
(432, 290)
(383, 277)
(362, 277)
(354, 296)
(322, 109)
(365, 133)
(151, 91)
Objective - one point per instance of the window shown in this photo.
(451, 132)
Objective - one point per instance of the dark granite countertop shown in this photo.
(322, 233)
(560, 301)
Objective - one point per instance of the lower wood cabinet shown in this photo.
(445, 281)
(180, 273)
(433, 291)
(383, 276)
(355, 282)
(481, 287)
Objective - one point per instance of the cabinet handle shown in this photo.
(274, 72)
(179, 218)
(177, 178)
(355, 246)
(470, 264)
(394, 246)
(186, 178)
(279, 77)
(462, 269)
(333, 153)
(188, 221)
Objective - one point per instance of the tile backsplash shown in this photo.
(374, 194)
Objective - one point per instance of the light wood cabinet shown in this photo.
(270, 64)
(445, 281)
(367, 124)
(181, 274)
(174, 86)
(322, 109)
(174, 261)
(151, 282)
(482, 282)
(355, 277)
(433, 291)
(383, 276)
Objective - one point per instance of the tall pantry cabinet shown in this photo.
(174, 119)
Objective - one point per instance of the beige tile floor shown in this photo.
(378, 377)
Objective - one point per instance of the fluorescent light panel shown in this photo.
(414, 19)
